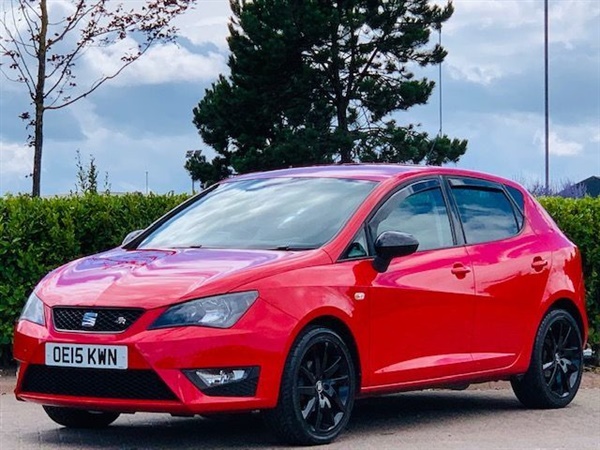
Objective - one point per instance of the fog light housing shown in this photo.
(225, 382)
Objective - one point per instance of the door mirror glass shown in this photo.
(392, 244)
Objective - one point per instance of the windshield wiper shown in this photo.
(292, 248)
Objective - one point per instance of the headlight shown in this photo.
(221, 311)
(33, 310)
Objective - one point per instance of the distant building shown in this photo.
(590, 186)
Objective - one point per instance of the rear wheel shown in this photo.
(554, 373)
(78, 418)
(317, 390)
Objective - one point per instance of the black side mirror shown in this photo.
(391, 244)
(131, 236)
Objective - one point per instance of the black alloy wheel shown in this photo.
(317, 390)
(556, 365)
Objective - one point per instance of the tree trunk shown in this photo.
(38, 135)
(345, 145)
(37, 144)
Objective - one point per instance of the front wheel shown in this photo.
(78, 418)
(554, 373)
(317, 390)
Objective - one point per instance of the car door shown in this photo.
(422, 307)
(511, 266)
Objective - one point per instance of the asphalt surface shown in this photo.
(472, 419)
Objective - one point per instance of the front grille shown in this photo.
(98, 320)
(103, 383)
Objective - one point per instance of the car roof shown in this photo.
(374, 172)
(371, 172)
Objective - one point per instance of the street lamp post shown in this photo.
(546, 108)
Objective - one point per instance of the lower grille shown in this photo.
(103, 383)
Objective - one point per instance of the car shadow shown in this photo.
(401, 412)
(372, 416)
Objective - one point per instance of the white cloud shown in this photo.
(16, 162)
(485, 14)
(574, 21)
(492, 39)
(483, 74)
(493, 97)
(558, 145)
(163, 63)
(166, 63)
(15, 159)
(206, 23)
(126, 154)
(564, 140)
(570, 141)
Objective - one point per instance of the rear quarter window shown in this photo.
(519, 200)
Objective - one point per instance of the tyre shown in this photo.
(556, 366)
(78, 418)
(317, 390)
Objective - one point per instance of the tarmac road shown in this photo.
(472, 419)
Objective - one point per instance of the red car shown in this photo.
(296, 291)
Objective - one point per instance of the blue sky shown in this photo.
(493, 95)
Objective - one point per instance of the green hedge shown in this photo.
(37, 235)
(580, 221)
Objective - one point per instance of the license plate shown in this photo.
(92, 356)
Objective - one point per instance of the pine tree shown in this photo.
(315, 81)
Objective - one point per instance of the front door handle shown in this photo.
(460, 270)
(539, 263)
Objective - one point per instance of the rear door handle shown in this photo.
(539, 263)
(460, 270)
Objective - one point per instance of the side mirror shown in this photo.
(131, 236)
(391, 244)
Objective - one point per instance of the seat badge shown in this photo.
(89, 319)
(121, 320)
(359, 296)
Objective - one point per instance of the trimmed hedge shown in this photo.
(580, 221)
(37, 235)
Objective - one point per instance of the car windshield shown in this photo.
(271, 213)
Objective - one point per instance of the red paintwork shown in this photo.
(419, 324)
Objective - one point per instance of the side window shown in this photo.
(486, 214)
(421, 213)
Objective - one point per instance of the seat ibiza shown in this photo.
(293, 292)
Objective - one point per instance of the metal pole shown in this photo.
(547, 130)
(440, 81)
(146, 182)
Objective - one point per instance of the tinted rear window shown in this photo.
(486, 214)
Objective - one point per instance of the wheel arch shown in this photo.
(343, 330)
(569, 305)
(561, 301)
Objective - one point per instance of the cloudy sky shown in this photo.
(493, 95)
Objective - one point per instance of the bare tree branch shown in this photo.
(35, 58)
(101, 81)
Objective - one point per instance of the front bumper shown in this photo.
(155, 379)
